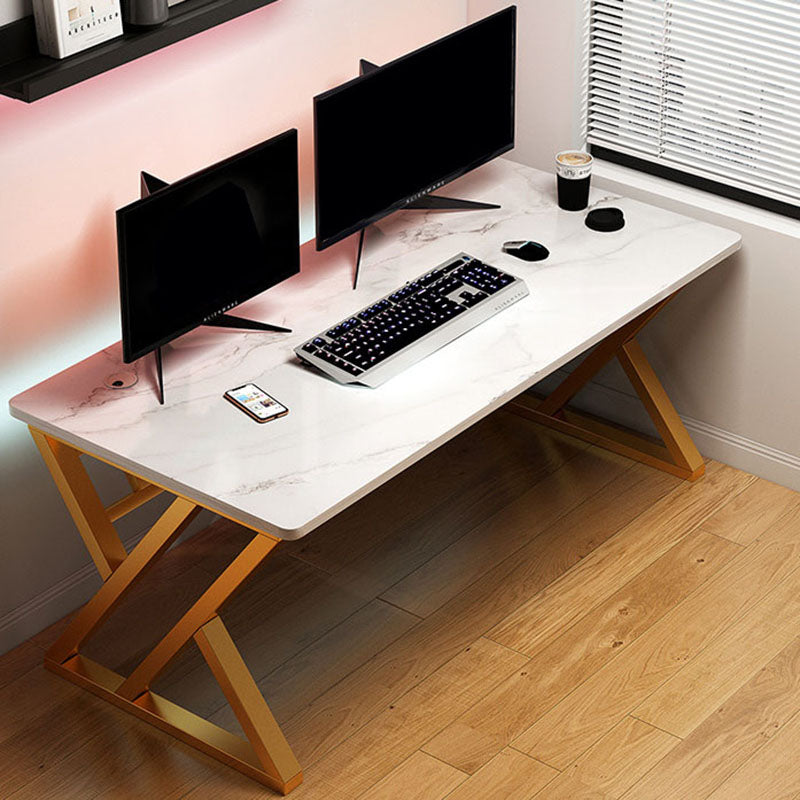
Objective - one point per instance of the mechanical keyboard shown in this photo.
(403, 327)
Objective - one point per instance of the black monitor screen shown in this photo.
(207, 243)
(413, 124)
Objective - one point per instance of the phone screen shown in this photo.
(256, 401)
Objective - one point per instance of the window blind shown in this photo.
(707, 88)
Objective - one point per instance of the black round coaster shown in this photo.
(605, 219)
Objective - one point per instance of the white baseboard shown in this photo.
(721, 445)
(46, 608)
(743, 453)
(68, 594)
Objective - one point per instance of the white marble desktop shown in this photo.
(339, 442)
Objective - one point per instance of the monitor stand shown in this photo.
(229, 321)
(148, 185)
(159, 376)
(435, 202)
(220, 321)
(430, 202)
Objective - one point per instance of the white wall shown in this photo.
(548, 76)
(11, 10)
(727, 347)
(68, 161)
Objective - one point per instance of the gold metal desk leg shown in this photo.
(247, 702)
(169, 526)
(265, 755)
(677, 455)
(91, 519)
(198, 615)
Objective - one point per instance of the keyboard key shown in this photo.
(351, 368)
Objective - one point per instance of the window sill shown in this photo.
(606, 171)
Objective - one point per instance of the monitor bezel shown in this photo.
(293, 268)
(373, 74)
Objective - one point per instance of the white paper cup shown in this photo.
(574, 172)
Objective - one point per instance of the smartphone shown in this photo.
(256, 403)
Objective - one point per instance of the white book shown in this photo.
(65, 27)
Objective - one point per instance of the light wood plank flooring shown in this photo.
(518, 616)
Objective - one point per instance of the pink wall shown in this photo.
(66, 162)
(69, 160)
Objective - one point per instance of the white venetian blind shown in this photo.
(707, 87)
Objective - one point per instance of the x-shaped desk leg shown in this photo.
(265, 755)
(677, 455)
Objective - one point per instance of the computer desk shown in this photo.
(338, 443)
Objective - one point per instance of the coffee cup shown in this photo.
(573, 175)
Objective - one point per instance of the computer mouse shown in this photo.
(526, 250)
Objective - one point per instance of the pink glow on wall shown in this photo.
(69, 160)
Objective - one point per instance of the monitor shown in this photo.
(195, 249)
(404, 129)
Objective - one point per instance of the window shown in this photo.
(705, 92)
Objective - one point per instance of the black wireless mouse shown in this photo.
(526, 250)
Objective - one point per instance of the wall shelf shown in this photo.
(26, 75)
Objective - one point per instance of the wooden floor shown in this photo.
(518, 616)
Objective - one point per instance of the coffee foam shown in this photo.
(573, 159)
(573, 164)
